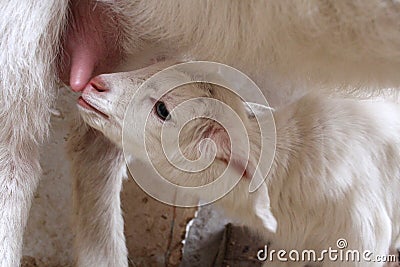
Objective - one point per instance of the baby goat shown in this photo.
(335, 173)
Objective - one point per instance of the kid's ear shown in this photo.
(257, 187)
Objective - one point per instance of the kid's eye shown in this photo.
(162, 111)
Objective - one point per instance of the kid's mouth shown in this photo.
(87, 105)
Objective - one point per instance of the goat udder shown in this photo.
(91, 45)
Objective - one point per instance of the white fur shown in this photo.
(333, 42)
(335, 173)
(338, 42)
(29, 39)
(100, 232)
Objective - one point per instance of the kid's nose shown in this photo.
(96, 85)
